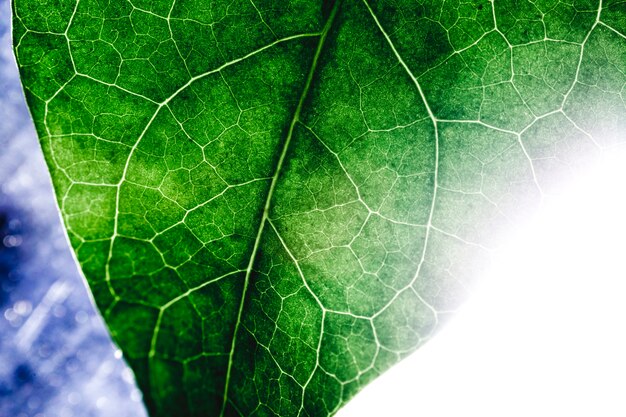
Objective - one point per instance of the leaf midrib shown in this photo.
(268, 200)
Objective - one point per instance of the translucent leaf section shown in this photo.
(274, 202)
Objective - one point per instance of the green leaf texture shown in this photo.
(275, 201)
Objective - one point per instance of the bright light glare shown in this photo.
(546, 335)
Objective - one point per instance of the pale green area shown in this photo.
(274, 202)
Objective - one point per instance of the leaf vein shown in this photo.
(270, 193)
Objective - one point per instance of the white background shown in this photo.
(546, 335)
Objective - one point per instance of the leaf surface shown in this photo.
(273, 202)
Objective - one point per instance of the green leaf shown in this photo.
(273, 202)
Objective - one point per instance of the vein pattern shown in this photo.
(274, 202)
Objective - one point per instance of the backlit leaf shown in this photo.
(274, 202)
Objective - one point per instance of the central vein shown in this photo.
(266, 208)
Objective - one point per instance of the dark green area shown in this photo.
(274, 202)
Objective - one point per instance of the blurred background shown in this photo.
(56, 357)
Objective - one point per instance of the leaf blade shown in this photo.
(365, 251)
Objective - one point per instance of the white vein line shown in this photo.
(65, 34)
(435, 173)
(319, 302)
(460, 239)
(117, 211)
(612, 29)
(295, 261)
(169, 26)
(270, 193)
(262, 19)
(582, 54)
(155, 332)
(234, 61)
(125, 90)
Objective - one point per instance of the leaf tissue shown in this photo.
(275, 201)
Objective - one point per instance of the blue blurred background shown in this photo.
(56, 357)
